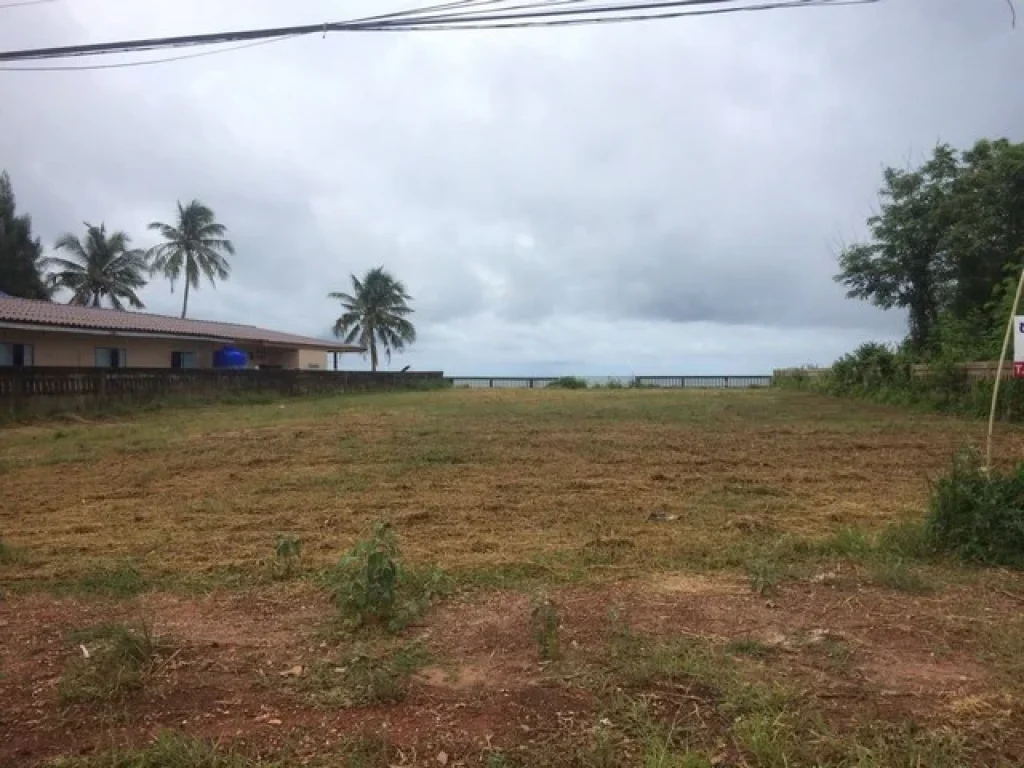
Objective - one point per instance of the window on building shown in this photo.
(111, 357)
(184, 359)
(15, 355)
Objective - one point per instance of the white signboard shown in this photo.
(1018, 346)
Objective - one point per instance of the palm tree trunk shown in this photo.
(373, 349)
(184, 306)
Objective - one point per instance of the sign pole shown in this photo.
(999, 371)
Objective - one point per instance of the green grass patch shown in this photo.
(170, 750)
(364, 676)
(110, 661)
(121, 580)
(9, 554)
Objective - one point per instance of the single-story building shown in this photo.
(41, 333)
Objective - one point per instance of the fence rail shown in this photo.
(665, 382)
(25, 390)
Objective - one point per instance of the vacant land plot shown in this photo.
(629, 578)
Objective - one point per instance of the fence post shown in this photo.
(531, 383)
(490, 384)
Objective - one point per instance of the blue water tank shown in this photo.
(230, 357)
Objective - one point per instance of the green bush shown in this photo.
(976, 515)
(288, 550)
(371, 586)
(568, 382)
(870, 367)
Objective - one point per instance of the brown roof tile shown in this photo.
(33, 312)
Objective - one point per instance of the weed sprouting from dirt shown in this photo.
(110, 660)
(545, 621)
(122, 580)
(899, 576)
(979, 515)
(372, 587)
(9, 554)
(764, 577)
(288, 550)
(364, 676)
(170, 750)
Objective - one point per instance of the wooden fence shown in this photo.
(33, 390)
(666, 382)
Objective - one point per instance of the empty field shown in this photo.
(730, 578)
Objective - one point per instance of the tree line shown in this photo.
(102, 268)
(946, 245)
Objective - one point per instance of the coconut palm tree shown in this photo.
(195, 245)
(375, 313)
(100, 267)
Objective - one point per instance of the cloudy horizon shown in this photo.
(651, 198)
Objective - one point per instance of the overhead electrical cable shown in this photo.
(447, 16)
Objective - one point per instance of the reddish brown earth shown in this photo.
(902, 658)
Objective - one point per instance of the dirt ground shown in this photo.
(709, 556)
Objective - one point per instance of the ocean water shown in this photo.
(666, 382)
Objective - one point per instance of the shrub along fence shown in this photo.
(34, 391)
(874, 372)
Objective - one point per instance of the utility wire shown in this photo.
(23, 3)
(422, 20)
(529, 23)
(144, 62)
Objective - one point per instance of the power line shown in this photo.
(22, 3)
(143, 62)
(447, 16)
(782, 4)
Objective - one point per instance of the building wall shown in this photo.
(78, 350)
(313, 359)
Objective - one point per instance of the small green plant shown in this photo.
(8, 554)
(764, 577)
(371, 586)
(568, 382)
(364, 677)
(110, 660)
(978, 515)
(122, 580)
(288, 550)
(546, 620)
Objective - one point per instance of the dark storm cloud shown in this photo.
(639, 194)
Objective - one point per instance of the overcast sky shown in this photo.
(649, 198)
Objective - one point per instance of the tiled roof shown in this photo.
(45, 313)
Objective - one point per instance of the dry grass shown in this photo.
(468, 478)
(721, 590)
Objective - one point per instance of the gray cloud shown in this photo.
(656, 197)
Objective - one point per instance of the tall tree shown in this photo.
(195, 245)
(20, 253)
(375, 313)
(946, 238)
(101, 268)
(906, 264)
